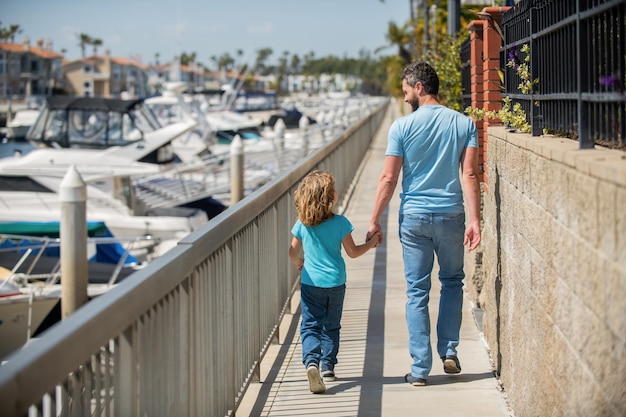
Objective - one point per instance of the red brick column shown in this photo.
(485, 44)
(476, 29)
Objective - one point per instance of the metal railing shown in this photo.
(578, 55)
(185, 335)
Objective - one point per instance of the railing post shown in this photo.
(236, 170)
(279, 143)
(536, 119)
(303, 124)
(584, 137)
(73, 233)
(125, 396)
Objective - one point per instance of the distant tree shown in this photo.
(225, 62)
(400, 37)
(262, 56)
(280, 70)
(187, 59)
(96, 42)
(295, 63)
(12, 31)
(83, 41)
(156, 58)
(8, 34)
(239, 53)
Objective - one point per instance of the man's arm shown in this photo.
(386, 186)
(471, 189)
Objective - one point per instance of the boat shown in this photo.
(21, 123)
(124, 127)
(170, 108)
(109, 142)
(30, 278)
(30, 188)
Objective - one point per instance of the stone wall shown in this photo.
(554, 274)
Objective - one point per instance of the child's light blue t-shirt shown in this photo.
(431, 141)
(323, 264)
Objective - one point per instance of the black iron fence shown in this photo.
(577, 54)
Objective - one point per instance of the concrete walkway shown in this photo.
(373, 356)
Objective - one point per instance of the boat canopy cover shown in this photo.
(91, 103)
(47, 229)
(105, 252)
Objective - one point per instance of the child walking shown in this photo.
(320, 234)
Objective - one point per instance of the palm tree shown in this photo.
(400, 36)
(225, 62)
(262, 55)
(295, 63)
(96, 43)
(239, 53)
(12, 31)
(84, 40)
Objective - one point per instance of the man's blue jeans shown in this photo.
(422, 236)
(321, 322)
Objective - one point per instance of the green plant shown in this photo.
(512, 115)
(445, 57)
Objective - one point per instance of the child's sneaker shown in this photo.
(316, 385)
(328, 376)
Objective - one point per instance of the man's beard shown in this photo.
(414, 104)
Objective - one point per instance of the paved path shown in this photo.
(373, 356)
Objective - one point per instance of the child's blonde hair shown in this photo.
(315, 197)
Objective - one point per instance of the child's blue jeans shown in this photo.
(321, 322)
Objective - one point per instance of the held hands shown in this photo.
(374, 239)
(373, 231)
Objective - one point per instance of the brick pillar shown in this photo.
(485, 44)
(476, 29)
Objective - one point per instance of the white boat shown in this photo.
(21, 123)
(170, 108)
(109, 141)
(30, 188)
(30, 279)
(124, 127)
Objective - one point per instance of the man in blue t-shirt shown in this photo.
(437, 150)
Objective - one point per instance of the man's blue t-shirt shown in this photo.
(323, 264)
(431, 140)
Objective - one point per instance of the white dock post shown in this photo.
(73, 232)
(279, 133)
(303, 124)
(236, 170)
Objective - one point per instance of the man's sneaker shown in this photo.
(451, 365)
(316, 385)
(328, 376)
(415, 381)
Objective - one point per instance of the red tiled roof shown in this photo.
(120, 61)
(19, 48)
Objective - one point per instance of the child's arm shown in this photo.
(294, 252)
(355, 251)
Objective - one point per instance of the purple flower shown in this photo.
(608, 80)
(513, 57)
(612, 81)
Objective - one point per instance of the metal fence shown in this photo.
(185, 335)
(577, 52)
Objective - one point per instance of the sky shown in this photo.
(143, 28)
